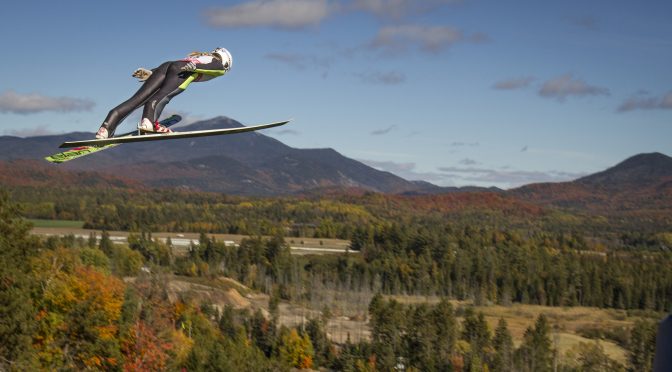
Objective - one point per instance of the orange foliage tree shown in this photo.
(79, 310)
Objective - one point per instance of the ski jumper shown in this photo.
(165, 82)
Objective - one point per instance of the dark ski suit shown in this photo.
(165, 82)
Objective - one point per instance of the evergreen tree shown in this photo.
(227, 325)
(444, 321)
(592, 358)
(503, 345)
(324, 353)
(642, 347)
(475, 330)
(17, 310)
(536, 353)
(420, 339)
(387, 328)
(106, 244)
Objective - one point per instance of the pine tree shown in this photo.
(475, 330)
(642, 347)
(17, 310)
(420, 339)
(536, 353)
(445, 323)
(503, 345)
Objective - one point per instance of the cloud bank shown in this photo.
(397, 9)
(42, 130)
(298, 14)
(24, 104)
(428, 38)
(469, 174)
(405, 170)
(565, 86)
(287, 14)
(648, 103)
(509, 177)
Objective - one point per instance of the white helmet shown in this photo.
(224, 54)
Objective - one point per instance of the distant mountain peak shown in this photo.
(639, 170)
(217, 122)
(641, 182)
(652, 159)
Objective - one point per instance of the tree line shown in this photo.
(333, 216)
(65, 306)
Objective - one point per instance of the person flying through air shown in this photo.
(163, 83)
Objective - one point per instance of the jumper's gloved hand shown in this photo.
(190, 66)
(142, 74)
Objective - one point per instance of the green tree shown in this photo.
(536, 352)
(387, 329)
(503, 345)
(18, 312)
(592, 358)
(420, 339)
(105, 243)
(444, 321)
(642, 348)
(324, 352)
(475, 330)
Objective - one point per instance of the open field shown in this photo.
(182, 240)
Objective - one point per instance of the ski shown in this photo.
(169, 136)
(84, 150)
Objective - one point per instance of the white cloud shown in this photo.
(396, 9)
(24, 104)
(513, 84)
(301, 61)
(406, 171)
(428, 38)
(42, 130)
(384, 78)
(288, 14)
(564, 86)
(647, 103)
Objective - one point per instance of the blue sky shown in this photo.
(454, 92)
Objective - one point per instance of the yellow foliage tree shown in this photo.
(79, 313)
(297, 351)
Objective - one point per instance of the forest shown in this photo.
(68, 303)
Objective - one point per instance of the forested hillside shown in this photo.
(75, 303)
(67, 307)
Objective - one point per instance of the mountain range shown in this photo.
(244, 164)
(255, 164)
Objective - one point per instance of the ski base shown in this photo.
(168, 136)
(84, 150)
